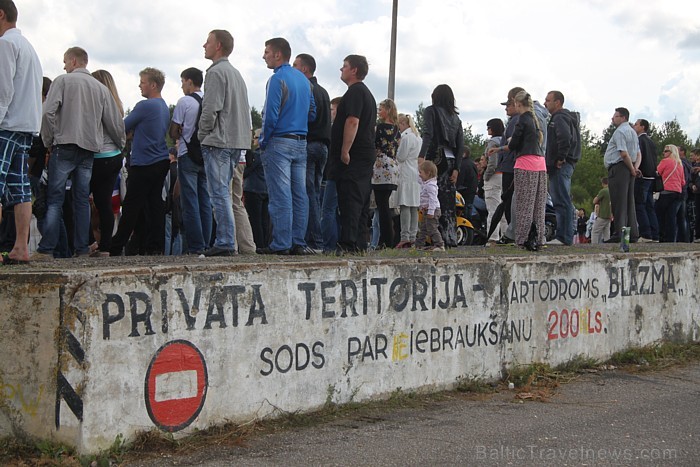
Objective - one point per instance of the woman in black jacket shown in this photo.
(443, 143)
(530, 174)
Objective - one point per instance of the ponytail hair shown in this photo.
(524, 98)
(408, 121)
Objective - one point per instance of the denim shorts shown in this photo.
(14, 180)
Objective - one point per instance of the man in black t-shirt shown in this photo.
(352, 154)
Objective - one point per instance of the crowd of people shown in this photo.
(104, 183)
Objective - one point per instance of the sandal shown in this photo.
(7, 261)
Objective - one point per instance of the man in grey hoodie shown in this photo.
(563, 151)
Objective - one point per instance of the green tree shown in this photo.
(256, 116)
(670, 133)
(420, 121)
(475, 143)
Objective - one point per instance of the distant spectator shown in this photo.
(601, 225)
(443, 143)
(330, 221)
(682, 216)
(409, 188)
(644, 185)
(671, 198)
(581, 225)
(105, 170)
(468, 180)
(385, 177)
(196, 205)
(493, 178)
(255, 195)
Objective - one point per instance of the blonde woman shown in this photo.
(409, 188)
(530, 173)
(385, 177)
(105, 169)
(670, 199)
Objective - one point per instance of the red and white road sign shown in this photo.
(176, 385)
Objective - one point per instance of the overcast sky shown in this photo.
(642, 55)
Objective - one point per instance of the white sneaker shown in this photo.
(645, 240)
(438, 248)
(697, 240)
(555, 241)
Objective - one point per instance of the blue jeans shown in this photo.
(284, 161)
(644, 207)
(329, 216)
(374, 239)
(316, 157)
(560, 191)
(682, 221)
(67, 160)
(219, 164)
(173, 244)
(196, 205)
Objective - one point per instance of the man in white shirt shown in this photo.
(196, 205)
(20, 119)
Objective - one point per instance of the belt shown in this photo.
(293, 136)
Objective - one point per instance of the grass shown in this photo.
(533, 382)
(657, 356)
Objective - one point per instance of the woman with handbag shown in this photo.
(443, 143)
(385, 177)
(670, 198)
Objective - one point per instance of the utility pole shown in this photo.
(392, 57)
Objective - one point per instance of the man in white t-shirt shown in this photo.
(196, 205)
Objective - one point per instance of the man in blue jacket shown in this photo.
(289, 106)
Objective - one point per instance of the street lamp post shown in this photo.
(392, 57)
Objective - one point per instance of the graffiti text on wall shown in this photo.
(397, 346)
(223, 309)
(572, 323)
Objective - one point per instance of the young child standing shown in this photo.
(429, 207)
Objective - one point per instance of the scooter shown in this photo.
(465, 229)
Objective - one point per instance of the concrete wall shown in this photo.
(89, 355)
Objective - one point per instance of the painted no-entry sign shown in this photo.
(176, 385)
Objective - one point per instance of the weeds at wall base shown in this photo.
(533, 382)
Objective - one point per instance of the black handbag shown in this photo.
(658, 183)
